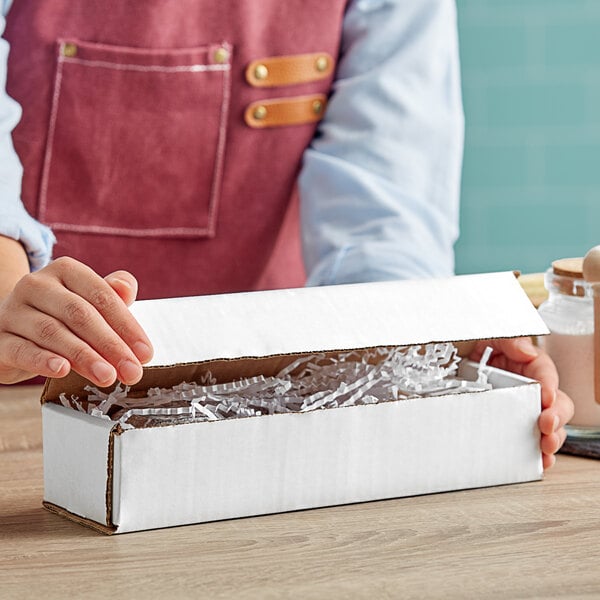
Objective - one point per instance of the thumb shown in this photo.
(125, 284)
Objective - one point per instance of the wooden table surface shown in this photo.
(535, 540)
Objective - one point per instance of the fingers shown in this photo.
(101, 359)
(551, 423)
(551, 444)
(106, 302)
(67, 311)
(520, 350)
(543, 370)
(557, 415)
(27, 360)
(521, 356)
(125, 284)
(548, 461)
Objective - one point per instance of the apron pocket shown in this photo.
(136, 140)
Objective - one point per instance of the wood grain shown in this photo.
(20, 424)
(537, 540)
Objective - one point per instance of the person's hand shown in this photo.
(65, 317)
(519, 355)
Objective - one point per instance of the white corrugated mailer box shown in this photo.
(119, 480)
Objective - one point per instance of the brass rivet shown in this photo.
(317, 107)
(322, 63)
(69, 50)
(261, 72)
(260, 112)
(221, 55)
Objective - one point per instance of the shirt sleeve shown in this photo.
(15, 221)
(380, 183)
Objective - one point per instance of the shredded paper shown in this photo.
(310, 383)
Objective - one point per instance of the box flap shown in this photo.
(292, 321)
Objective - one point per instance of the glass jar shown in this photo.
(569, 314)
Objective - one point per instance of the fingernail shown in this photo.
(129, 372)
(56, 364)
(103, 372)
(142, 351)
(555, 423)
(121, 282)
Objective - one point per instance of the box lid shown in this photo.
(292, 321)
(327, 318)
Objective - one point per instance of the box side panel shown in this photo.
(75, 461)
(210, 471)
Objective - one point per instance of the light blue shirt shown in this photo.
(379, 185)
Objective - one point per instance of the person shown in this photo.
(171, 141)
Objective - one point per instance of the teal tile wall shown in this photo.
(531, 176)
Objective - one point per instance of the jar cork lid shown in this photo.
(566, 277)
(568, 267)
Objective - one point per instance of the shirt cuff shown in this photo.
(37, 239)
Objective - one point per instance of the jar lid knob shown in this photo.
(591, 265)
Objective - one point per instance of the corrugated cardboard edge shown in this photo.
(110, 459)
(57, 510)
(45, 390)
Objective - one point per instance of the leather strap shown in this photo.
(278, 112)
(274, 71)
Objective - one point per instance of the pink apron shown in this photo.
(151, 139)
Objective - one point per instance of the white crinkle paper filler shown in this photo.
(309, 383)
